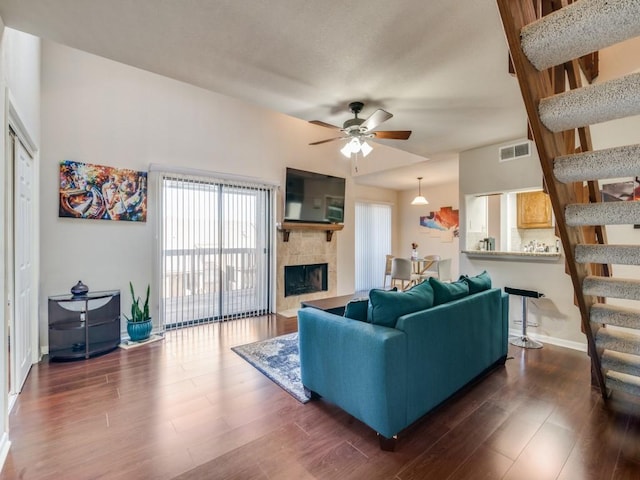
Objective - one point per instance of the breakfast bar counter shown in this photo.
(514, 256)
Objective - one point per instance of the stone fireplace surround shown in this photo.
(304, 248)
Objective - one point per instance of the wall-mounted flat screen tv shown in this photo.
(313, 197)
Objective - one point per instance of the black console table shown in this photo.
(83, 326)
(524, 341)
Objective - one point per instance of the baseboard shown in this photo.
(5, 444)
(582, 347)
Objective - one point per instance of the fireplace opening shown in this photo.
(301, 279)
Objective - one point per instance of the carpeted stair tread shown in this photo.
(608, 254)
(628, 288)
(578, 29)
(618, 341)
(621, 362)
(597, 165)
(622, 381)
(604, 213)
(591, 104)
(603, 313)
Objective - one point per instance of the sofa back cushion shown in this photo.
(479, 283)
(446, 292)
(386, 306)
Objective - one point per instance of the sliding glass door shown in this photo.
(216, 250)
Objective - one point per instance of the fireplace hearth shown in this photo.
(301, 279)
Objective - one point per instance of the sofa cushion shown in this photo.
(357, 309)
(447, 292)
(387, 306)
(479, 283)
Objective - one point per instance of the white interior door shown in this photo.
(21, 341)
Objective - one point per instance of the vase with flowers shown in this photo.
(414, 251)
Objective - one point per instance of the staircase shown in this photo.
(540, 48)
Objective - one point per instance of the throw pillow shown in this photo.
(387, 306)
(357, 309)
(447, 292)
(479, 283)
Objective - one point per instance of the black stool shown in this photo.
(523, 341)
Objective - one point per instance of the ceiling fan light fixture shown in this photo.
(419, 200)
(346, 150)
(356, 130)
(365, 148)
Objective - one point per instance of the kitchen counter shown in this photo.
(515, 256)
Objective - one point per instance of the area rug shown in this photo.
(278, 358)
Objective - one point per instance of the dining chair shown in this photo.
(387, 270)
(401, 271)
(444, 270)
(432, 269)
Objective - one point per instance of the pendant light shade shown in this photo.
(419, 200)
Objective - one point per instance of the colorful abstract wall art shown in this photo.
(101, 192)
(444, 223)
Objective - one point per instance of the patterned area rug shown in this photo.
(278, 358)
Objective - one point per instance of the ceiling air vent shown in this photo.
(512, 152)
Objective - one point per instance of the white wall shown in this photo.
(557, 317)
(429, 241)
(4, 353)
(98, 111)
(21, 57)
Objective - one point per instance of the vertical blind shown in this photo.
(215, 248)
(373, 243)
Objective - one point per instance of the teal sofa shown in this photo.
(391, 372)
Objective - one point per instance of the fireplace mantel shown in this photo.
(328, 228)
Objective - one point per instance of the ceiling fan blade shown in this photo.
(393, 134)
(327, 140)
(323, 124)
(375, 119)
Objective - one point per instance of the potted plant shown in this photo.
(139, 324)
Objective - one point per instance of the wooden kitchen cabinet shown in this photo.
(534, 210)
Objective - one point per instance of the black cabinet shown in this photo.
(83, 326)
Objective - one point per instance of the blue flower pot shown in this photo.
(139, 331)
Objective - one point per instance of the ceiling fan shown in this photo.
(358, 130)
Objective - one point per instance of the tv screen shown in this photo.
(313, 197)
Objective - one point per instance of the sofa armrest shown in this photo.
(360, 367)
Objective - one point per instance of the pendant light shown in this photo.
(419, 200)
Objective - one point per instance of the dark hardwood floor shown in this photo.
(188, 407)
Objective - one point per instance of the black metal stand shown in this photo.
(524, 341)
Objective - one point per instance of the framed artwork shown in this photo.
(445, 220)
(101, 192)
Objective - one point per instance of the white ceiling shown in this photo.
(439, 66)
